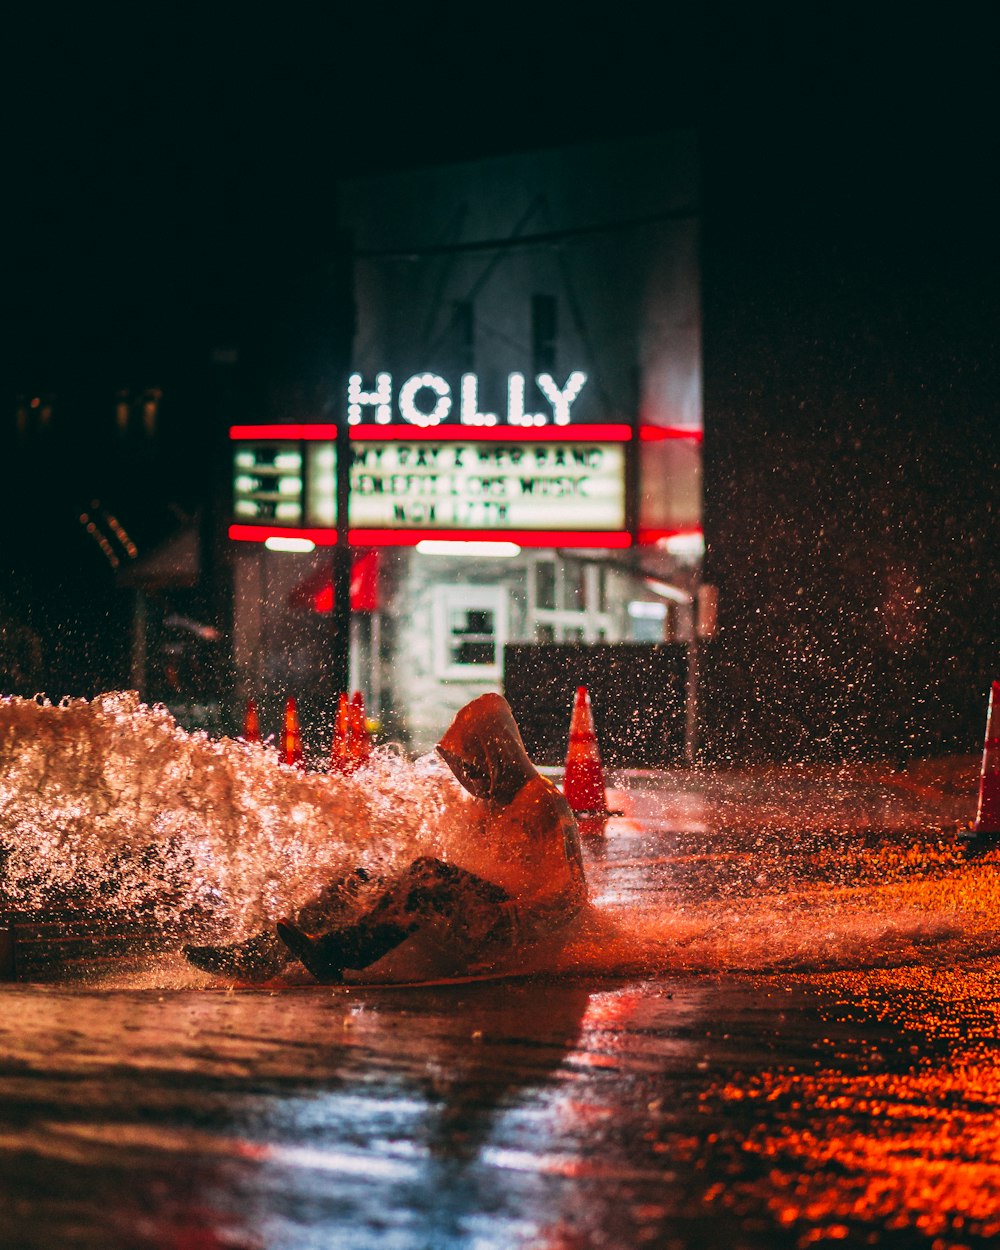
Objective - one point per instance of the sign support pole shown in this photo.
(340, 657)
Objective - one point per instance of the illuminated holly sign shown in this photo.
(427, 399)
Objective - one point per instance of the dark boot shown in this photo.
(257, 959)
(428, 892)
(326, 957)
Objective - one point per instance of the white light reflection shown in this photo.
(687, 546)
(289, 544)
(454, 547)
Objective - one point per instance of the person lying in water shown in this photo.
(519, 882)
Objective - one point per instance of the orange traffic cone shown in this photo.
(583, 781)
(251, 723)
(290, 748)
(361, 742)
(341, 755)
(988, 812)
(352, 745)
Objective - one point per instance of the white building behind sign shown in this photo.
(526, 371)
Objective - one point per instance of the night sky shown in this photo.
(173, 172)
(169, 166)
(167, 163)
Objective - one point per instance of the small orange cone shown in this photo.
(361, 742)
(988, 811)
(341, 755)
(583, 781)
(352, 745)
(251, 723)
(290, 748)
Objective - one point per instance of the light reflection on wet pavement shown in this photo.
(741, 1097)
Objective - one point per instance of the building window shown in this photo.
(545, 585)
(647, 621)
(568, 602)
(576, 582)
(601, 589)
(470, 632)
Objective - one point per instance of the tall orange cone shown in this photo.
(987, 824)
(583, 781)
(290, 748)
(251, 723)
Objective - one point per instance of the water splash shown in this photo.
(109, 801)
(112, 799)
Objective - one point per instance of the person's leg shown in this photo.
(429, 890)
(264, 955)
(329, 906)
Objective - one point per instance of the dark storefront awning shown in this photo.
(174, 564)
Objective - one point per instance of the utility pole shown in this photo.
(342, 279)
(340, 659)
(691, 696)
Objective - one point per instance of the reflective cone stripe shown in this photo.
(583, 780)
(988, 812)
(251, 723)
(290, 748)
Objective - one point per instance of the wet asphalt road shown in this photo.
(744, 1096)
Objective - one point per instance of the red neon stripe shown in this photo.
(652, 536)
(523, 538)
(261, 533)
(608, 433)
(324, 537)
(656, 433)
(494, 433)
(282, 433)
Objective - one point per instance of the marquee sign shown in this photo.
(267, 483)
(464, 484)
(559, 486)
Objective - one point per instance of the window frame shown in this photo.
(472, 598)
(593, 624)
